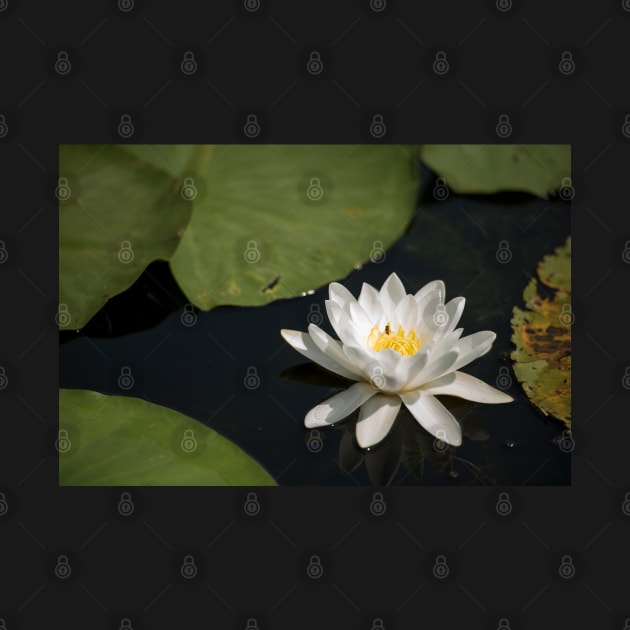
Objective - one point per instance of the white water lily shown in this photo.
(401, 349)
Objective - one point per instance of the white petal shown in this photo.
(358, 356)
(446, 342)
(391, 293)
(474, 346)
(360, 319)
(349, 332)
(406, 314)
(339, 294)
(303, 343)
(341, 322)
(426, 309)
(409, 367)
(378, 368)
(436, 366)
(433, 416)
(339, 406)
(369, 300)
(332, 348)
(454, 310)
(334, 311)
(376, 418)
(436, 285)
(466, 386)
(440, 318)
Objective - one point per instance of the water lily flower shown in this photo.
(401, 349)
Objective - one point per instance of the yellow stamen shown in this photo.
(406, 344)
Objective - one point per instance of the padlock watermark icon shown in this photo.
(188, 65)
(567, 63)
(377, 254)
(625, 254)
(125, 624)
(503, 253)
(315, 190)
(4, 127)
(378, 507)
(188, 443)
(251, 5)
(315, 315)
(126, 128)
(189, 190)
(125, 253)
(440, 190)
(566, 443)
(378, 5)
(4, 379)
(4, 508)
(314, 65)
(251, 507)
(504, 505)
(63, 570)
(504, 5)
(62, 317)
(63, 192)
(63, 66)
(440, 445)
(126, 506)
(314, 443)
(4, 254)
(251, 380)
(504, 380)
(188, 568)
(440, 316)
(377, 377)
(126, 5)
(440, 567)
(315, 570)
(625, 128)
(125, 378)
(566, 192)
(566, 570)
(504, 126)
(189, 317)
(440, 63)
(63, 443)
(377, 127)
(252, 127)
(252, 253)
(566, 316)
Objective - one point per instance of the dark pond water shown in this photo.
(202, 369)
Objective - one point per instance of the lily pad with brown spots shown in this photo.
(542, 336)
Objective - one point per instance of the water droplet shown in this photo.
(510, 443)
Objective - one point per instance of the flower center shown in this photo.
(406, 344)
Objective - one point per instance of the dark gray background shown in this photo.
(125, 571)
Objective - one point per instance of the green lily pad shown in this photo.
(476, 168)
(175, 159)
(276, 221)
(114, 441)
(117, 214)
(542, 336)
